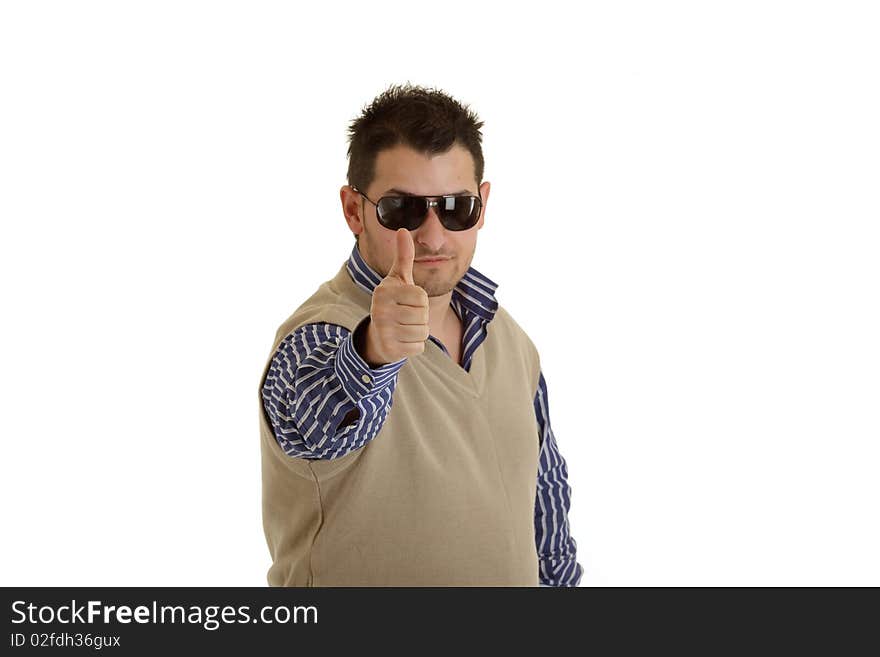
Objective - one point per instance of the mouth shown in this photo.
(431, 261)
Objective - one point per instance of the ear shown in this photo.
(351, 209)
(484, 195)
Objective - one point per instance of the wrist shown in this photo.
(362, 345)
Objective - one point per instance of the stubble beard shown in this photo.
(435, 288)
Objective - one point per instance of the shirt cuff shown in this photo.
(358, 379)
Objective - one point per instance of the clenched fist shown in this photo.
(398, 325)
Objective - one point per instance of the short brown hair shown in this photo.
(426, 120)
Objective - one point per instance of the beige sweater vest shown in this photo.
(443, 495)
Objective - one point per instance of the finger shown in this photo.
(412, 333)
(403, 256)
(410, 296)
(410, 315)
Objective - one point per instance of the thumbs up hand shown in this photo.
(398, 325)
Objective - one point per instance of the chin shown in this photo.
(436, 289)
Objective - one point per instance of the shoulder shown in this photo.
(512, 326)
(518, 342)
(327, 305)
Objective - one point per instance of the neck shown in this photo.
(439, 313)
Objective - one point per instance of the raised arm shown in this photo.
(322, 399)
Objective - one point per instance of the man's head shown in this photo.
(415, 141)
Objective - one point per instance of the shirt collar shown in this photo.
(475, 291)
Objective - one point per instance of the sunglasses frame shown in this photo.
(432, 203)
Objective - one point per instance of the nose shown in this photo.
(431, 233)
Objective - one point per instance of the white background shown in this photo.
(683, 216)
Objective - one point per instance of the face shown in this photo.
(404, 169)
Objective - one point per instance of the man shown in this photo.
(405, 431)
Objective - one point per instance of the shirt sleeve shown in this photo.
(317, 379)
(557, 549)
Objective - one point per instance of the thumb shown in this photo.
(402, 267)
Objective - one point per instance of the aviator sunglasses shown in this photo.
(410, 212)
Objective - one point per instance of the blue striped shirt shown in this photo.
(320, 407)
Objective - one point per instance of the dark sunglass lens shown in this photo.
(414, 209)
(460, 212)
(402, 211)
